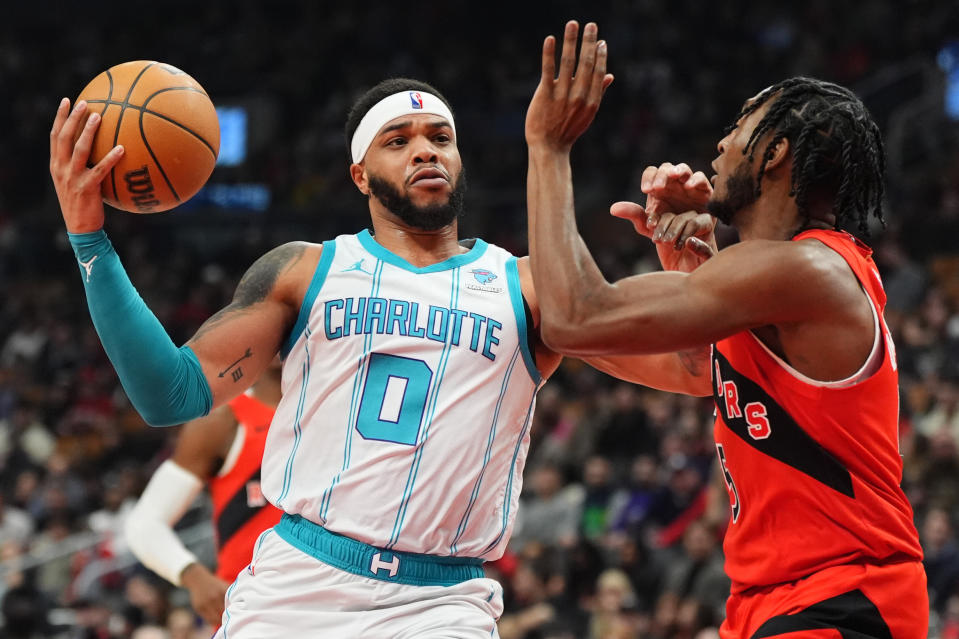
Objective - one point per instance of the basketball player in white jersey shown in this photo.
(411, 365)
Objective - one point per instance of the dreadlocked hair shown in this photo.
(837, 148)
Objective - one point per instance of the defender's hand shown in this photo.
(675, 188)
(683, 241)
(564, 105)
(78, 187)
(207, 592)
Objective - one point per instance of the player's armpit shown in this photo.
(237, 343)
(747, 285)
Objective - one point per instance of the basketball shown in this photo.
(167, 126)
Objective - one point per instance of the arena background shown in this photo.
(619, 532)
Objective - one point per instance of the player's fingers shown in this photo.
(646, 182)
(549, 61)
(583, 79)
(681, 172)
(567, 59)
(607, 80)
(699, 182)
(693, 224)
(62, 111)
(81, 150)
(103, 167)
(627, 210)
(67, 134)
(635, 213)
(599, 74)
(700, 248)
(662, 175)
(663, 227)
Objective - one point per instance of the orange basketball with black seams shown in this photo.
(168, 127)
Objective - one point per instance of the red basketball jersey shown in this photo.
(240, 512)
(812, 468)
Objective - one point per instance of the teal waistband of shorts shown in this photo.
(362, 559)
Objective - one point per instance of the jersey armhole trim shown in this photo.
(519, 311)
(319, 276)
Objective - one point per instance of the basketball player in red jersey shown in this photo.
(821, 541)
(224, 450)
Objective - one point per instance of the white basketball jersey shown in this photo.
(407, 401)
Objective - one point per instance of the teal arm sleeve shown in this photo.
(165, 384)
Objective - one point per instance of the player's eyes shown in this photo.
(396, 142)
(729, 129)
(442, 138)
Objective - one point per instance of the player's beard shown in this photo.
(425, 218)
(740, 193)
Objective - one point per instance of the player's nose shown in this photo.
(424, 151)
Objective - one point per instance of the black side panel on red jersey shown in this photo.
(773, 432)
(851, 613)
(239, 509)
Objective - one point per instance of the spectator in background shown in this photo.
(551, 513)
(15, 525)
(941, 557)
(600, 497)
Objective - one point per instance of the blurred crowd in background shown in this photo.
(619, 533)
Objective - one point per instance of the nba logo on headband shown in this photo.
(393, 106)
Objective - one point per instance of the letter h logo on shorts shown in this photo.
(377, 565)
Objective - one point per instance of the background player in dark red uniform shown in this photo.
(223, 450)
(821, 541)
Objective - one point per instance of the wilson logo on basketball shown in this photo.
(140, 186)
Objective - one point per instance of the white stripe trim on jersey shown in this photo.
(431, 411)
(508, 502)
(486, 456)
(297, 426)
(868, 367)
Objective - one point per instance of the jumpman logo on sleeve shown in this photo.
(88, 266)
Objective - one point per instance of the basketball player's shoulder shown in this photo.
(284, 271)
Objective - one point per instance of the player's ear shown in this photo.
(777, 155)
(358, 175)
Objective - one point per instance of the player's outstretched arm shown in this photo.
(166, 384)
(584, 315)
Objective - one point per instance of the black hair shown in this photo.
(384, 89)
(836, 146)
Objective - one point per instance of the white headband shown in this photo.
(402, 103)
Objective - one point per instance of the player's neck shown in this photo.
(768, 219)
(419, 248)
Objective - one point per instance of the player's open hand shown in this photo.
(683, 240)
(565, 104)
(78, 187)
